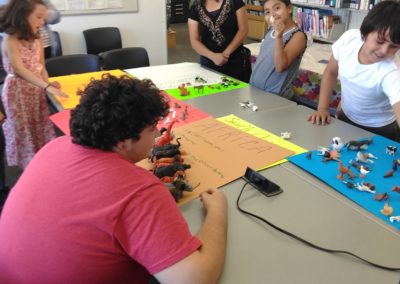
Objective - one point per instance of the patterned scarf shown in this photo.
(215, 28)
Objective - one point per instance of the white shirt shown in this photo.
(368, 90)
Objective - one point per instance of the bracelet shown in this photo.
(48, 85)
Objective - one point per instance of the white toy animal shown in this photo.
(337, 143)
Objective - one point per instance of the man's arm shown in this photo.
(204, 265)
(328, 83)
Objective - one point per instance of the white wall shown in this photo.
(145, 28)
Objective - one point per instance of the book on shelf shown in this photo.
(318, 22)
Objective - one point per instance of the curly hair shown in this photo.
(114, 109)
(14, 18)
(383, 17)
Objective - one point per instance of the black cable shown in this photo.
(305, 241)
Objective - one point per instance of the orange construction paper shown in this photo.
(219, 153)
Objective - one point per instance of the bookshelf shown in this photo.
(257, 24)
(347, 14)
(322, 20)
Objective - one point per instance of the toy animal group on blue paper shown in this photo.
(168, 163)
(363, 163)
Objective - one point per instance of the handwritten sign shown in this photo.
(219, 154)
(249, 128)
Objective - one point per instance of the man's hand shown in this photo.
(213, 198)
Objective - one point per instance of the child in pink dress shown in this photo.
(27, 126)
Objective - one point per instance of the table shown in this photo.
(309, 208)
(226, 103)
(257, 253)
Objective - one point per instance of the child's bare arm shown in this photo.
(12, 51)
(285, 56)
(328, 83)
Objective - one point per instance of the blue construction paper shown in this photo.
(328, 171)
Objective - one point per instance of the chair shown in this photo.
(124, 58)
(102, 39)
(3, 72)
(57, 49)
(72, 64)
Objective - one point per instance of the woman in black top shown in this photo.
(217, 29)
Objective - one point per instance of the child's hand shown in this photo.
(279, 27)
(320, 117)
(56, 84)
(57, 92)
(219, 59)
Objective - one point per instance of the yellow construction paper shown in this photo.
(71, 83)
(251, 129)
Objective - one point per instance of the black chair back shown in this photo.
(57, 49)
(124, 58)
(3, 73)
(102, 39)
(72, 64)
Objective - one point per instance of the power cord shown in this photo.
(305, 241)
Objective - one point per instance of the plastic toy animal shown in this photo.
(343, 171)
(364, 170)
(391, 150)
(286, 135)
(199, 80)
(396, 163)
(328, 154)
(337, 144)
(358, 145)
(363, 157)
(387, 210)
(178, 186)
(394, 219)
(166, 136)
(170, 170)
(382, 196)
(171, 160)
(388, 174)
(365, 187)
(182, 90)
(350, 184)
(396, 188)
(199, 88)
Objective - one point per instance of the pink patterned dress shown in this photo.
(27, 127)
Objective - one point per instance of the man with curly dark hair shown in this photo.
(83, 212)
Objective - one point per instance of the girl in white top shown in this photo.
(370, 79)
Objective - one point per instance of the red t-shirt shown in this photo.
(79, 215)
